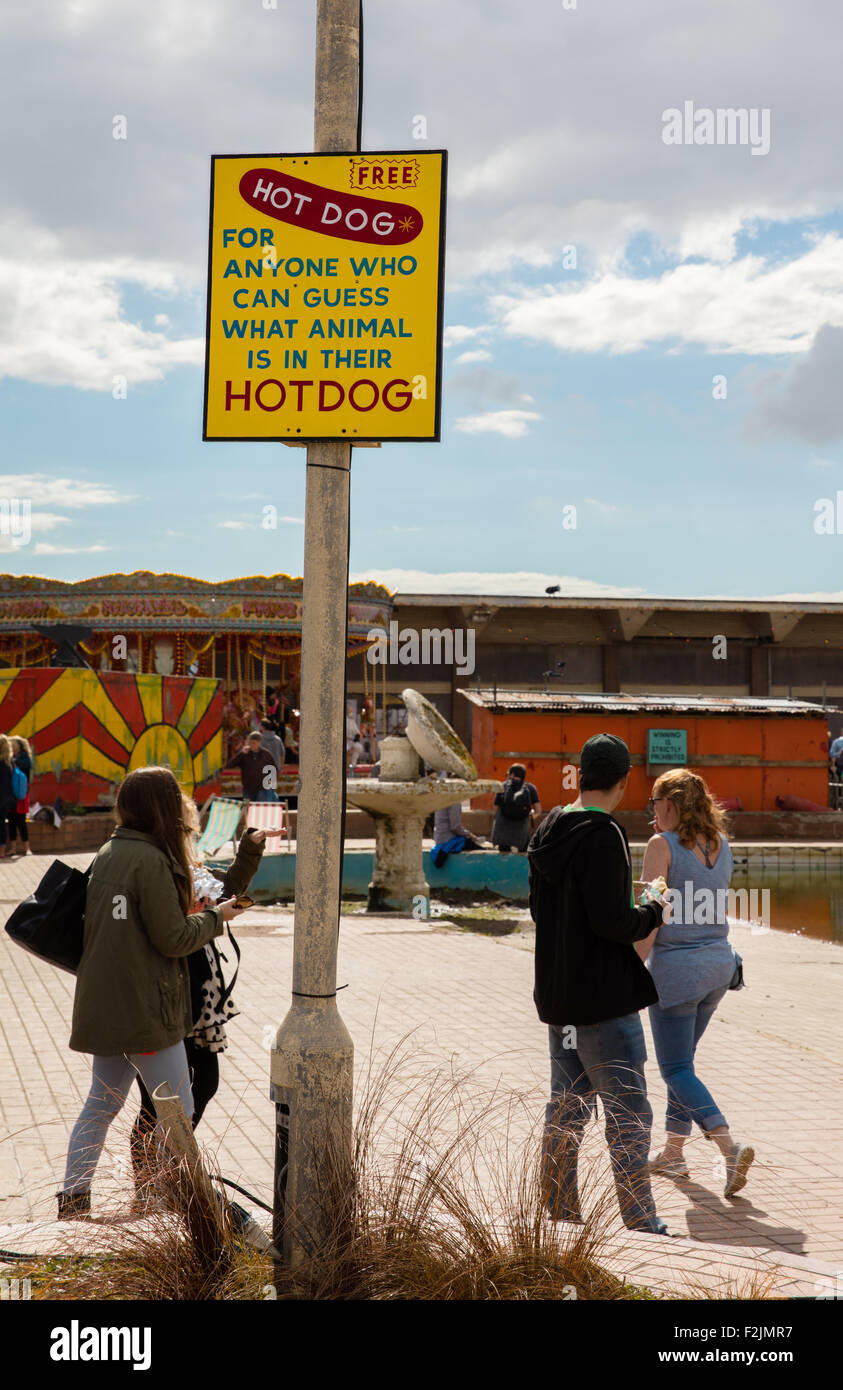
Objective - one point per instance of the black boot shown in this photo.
(74, 1206)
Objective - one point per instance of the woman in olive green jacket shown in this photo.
(132, 1004)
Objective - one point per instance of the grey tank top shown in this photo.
(691, 954)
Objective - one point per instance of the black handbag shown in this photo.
(737, 981)
(50, 923)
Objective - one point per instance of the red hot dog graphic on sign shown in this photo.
(376, 221)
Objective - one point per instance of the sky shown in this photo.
(643, 341)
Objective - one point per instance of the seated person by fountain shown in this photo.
(450, 835)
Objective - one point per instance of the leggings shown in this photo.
(17, 822)
(204, 1080)
(110, 1082)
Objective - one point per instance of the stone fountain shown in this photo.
(399, 800)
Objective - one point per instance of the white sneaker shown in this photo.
(737, 1166)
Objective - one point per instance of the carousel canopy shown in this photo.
(147, 602)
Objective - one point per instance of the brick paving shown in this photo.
(771, 1056)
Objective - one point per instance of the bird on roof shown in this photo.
(553, 589)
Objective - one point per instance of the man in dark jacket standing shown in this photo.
(258, 770)
(590, 986)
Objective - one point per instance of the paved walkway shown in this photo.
(772, 1057)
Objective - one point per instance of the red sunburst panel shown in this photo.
(122, 691)
(175, 699)
(208, 725)
(22, 694)
(80, 722)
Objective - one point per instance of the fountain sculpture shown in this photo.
(399, 800)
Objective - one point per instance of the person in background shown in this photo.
(22, 761)
(131, 1007)
(271, 742)
(517, 809)
(353, 739)
(450, 835)
(273, 709)
(692, 964)
(258, 770)
(7, 800)
(835, 755)
(355, 754)
(290, 744)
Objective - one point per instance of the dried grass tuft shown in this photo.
(442, 1203)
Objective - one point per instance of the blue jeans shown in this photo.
(111, 1079)
(265, 794)
(676, 1032)
(605, 1059)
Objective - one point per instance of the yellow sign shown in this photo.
(325, 296)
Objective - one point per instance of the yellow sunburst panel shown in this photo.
(163, 746)
(209, 760)
(201, 694)
(75, 687)
(150, 691)
(79, 753)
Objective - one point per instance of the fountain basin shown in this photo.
(417, 798)
(399, 810)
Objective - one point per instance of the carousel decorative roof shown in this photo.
(158, 602)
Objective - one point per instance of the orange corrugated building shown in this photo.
(748, 748)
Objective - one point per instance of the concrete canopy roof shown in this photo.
(607, 619)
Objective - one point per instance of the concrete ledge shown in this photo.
(75, 833)
(755, 825)
(506, 874)
(742, 825)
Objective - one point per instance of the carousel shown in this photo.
(116, 672)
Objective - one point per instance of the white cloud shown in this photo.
(232, 525)
(63, 322)
(62, 492)
(456, 333)
(602, 506)
(534, 171)
(510, 423)
(749, 306)
(520, 583)
(44, 548)
(476, 355)
(24, 497)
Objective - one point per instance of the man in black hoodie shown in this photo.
(591, 984)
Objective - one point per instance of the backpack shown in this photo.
(516, 804)
(20, 785)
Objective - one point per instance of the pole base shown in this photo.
(312, 1078)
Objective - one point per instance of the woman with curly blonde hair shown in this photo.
(691, 961)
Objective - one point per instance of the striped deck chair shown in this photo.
(270, 815)
(222, 822)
